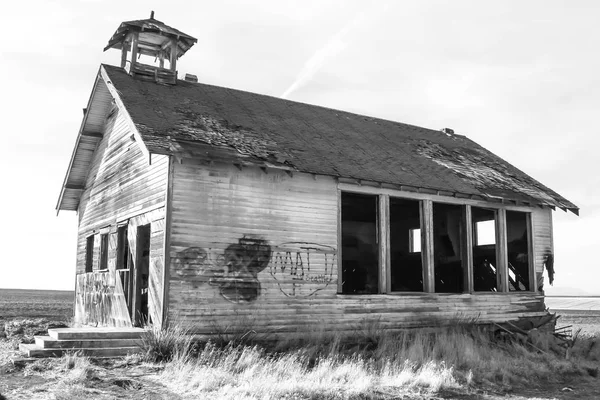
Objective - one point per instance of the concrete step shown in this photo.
(95, 333)
(32, 350)
(47, 342)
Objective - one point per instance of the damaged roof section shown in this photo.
(193, 120)
(495, 178)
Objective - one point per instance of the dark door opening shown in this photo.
(140, 315)
(360, 247)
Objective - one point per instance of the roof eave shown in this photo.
(77, 143)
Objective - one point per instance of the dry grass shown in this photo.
(378, 365)
(161, 345)
(373, 364)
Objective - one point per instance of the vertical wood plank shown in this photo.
(124, 51)
(339, 241)
(167, 245)
(384, 243)
(501, 251)
(134, 47)
(173, 59)
(427, 245)
(468, 248)
(531, 254)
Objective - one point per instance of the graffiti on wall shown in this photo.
(291, 268)
(298, 268)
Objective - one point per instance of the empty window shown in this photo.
(89, 254)
(485, 232)
(103, 251)
(485, 275)
(518, 250)
(447, 244)
(360, 247)
(406, 273)
(122, 248)
(414, 242)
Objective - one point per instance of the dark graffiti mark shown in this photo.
(192, 262)
(242, 262)
(291, 267)
(235, 270)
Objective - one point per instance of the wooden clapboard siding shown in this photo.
(221, 214)
(122, 187)
(120, 183)
(541, 221)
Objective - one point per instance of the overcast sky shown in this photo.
(521, 78)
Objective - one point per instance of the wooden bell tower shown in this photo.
(151, 38)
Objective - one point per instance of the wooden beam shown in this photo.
(501, 251)
(124, 51)
(339, 242)
(384, 244)
(134, 47)
(98, 135)
(531, 254)
(173, 58)
(467, 248)
(74, 187)
(167, 244)
(427, 246)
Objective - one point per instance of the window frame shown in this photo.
(103, 256)
(426, 201)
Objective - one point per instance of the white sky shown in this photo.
(520, 78)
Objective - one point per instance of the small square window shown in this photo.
(485, 233)
(414, 238)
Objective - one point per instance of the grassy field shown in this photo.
(457, 362)
(50, 304)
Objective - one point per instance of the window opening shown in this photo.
(484, 250)
(406, 273)
(447, 244)
(414, 243)
(485, 233)
(103, 252)
(123, 262)
(89, 254)
(360, 247)
(518, 250)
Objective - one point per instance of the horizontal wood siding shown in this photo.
(541, 221)
(120, 184)
(251, 250)
(122, 187)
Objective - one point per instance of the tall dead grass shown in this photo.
(376, 365)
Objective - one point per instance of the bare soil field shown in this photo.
(50, 304)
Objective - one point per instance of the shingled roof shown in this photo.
(190, 120)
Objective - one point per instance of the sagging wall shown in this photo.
(259, 251)
(121, 190)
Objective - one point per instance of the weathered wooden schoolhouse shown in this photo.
(207, 205)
